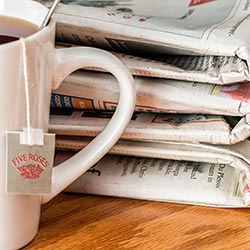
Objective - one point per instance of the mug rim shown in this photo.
(28, 10)
(33, 36)
(29, 5)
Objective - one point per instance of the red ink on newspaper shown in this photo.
(198, 2)
(239, 91)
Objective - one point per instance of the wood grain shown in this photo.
(92, 222)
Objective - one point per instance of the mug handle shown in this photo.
(66, 61)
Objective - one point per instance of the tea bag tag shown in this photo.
(29, 166)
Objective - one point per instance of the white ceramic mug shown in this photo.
(47, 67)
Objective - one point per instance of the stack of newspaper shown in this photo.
(188, 139)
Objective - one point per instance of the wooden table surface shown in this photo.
(73, 221)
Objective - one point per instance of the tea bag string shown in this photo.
(26, 87)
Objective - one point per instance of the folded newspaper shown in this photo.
(193, 128)
(93, 90)
(191, 28)
(171, 172)
(235, 155)
(212, 69)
